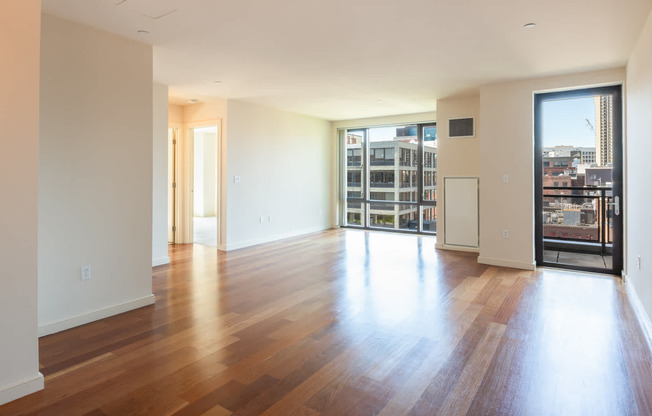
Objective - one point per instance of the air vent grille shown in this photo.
(461, 127)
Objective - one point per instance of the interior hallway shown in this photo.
(205, 231)
(353, 322)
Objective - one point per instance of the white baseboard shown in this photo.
(21, 388)
(639, 310)
(160, 261)
(507, 263)
(457, 248)
(269, 239)
(94, 316)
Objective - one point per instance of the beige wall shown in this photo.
(639, 168)
(175, 115)
(19, 114)
(285, 167)
(160, 175)
(507, 147)
(458, 156)
(95, 174)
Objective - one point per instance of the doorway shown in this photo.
(204, 195)
(578, 179)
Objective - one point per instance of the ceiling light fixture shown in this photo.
(529, 25)
(142, 32)
(380, 101)
(193, 101)
(218, 82)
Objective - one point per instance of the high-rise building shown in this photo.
(603, 130)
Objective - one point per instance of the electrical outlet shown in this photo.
(639, 262)
(505, 178)
(262, 219)
(505, 233)
(269, 218)
(86, 273)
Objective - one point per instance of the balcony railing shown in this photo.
(578, 217)
(382, 184)
(380, 162)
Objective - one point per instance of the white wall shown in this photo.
(639, 168)
(19, 113)
(458, 156)
(95, 174)
(507, 147)
(205, 180)
(285, 167)
(160, 175)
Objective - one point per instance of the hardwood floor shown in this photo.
(347, 322)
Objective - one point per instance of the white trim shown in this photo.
(457, 248)
(21, 388)
(160, 261)
(269, 239)
(507, 263)
(95, 315)
(639, 310)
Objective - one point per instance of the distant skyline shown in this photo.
(564, 122)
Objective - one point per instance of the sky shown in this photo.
(564, 122)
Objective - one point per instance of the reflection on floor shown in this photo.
(577, 259)
(205, 231)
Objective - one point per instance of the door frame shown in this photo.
(618, 168)
(185, 185)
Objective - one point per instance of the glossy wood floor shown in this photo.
(353, 323)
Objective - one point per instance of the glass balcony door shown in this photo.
(578, 179)
(391, 178)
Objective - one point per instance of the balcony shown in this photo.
(577, 225)
(382, 162)
(382, 184)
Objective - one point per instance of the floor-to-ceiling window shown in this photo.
(391, 178)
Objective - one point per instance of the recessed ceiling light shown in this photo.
(380, 101)
(193, 101)
(143, 32)
(529, 25)
(218, 82)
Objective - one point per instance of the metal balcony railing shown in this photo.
(578, 216)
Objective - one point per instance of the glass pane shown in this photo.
(429, 163)
(429, 218)
(394, 216)
(354, 171)
(355, 214)
(577, 181)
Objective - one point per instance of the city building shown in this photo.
(603, 130)
(586, 155)
(393, 176)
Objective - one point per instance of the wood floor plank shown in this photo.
(350, 322)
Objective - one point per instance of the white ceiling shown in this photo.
(335, 59)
